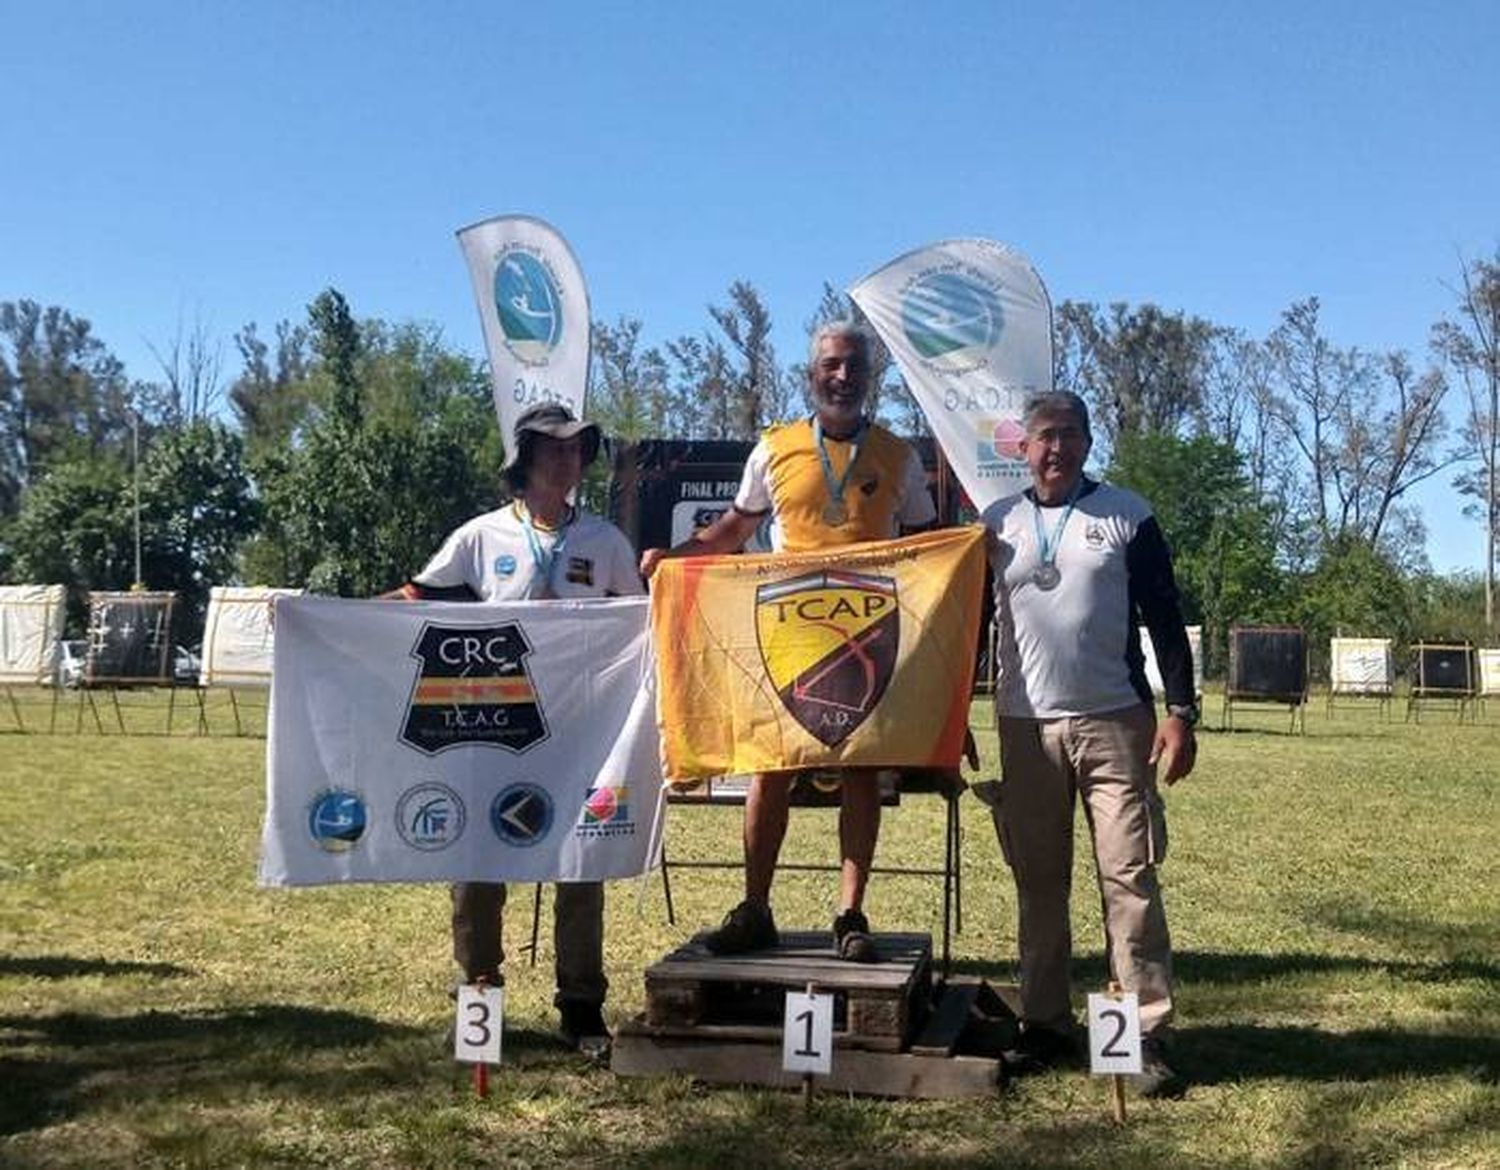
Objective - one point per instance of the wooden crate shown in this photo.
(933, 1065)
(639, 1051)
(877, 1006)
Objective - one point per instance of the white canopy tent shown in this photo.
(1153, 671)
(31, 622)
(238, 636)
(1489, 671)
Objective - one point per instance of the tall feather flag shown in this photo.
(969, 323)
(860, 656)
(534, 307)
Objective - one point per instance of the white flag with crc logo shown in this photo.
(969, 323)
(444, 741)
(535, 311)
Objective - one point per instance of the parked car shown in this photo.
(186, 666)
(71, 656)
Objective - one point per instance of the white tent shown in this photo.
(1153, 672)
(238, 636)
(1489, 672)
(31, 622)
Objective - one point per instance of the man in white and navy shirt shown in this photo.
(538, 547)
(1074, 562)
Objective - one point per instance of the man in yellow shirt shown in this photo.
(830, 479)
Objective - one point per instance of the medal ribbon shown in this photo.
(1046, 547)
(836, 486)
(542, 558)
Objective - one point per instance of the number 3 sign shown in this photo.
(1114, 1034)
(476, 1033)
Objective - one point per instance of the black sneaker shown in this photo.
(583, 1028)
(1038, 1049)
(1157, 1078)
(851, 938)
(748, 927)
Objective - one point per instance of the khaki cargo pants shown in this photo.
(577, 936)
(1102, 758)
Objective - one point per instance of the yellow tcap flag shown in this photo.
(862, 656)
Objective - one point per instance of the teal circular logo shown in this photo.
(336, 820)
(528, 304)
(945, 312)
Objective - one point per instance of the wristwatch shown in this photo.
(1187, 712)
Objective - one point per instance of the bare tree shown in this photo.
(759, 391)
(628, 396)
(1239, 405)
(1142, 368)
(701, 377)
(1470, 344)
(191, 367)
(1402, 452)
(1318, 383)
(1240, 408)
(1368, 429)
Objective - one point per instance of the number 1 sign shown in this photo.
(1114, 1034)
(807, 1035)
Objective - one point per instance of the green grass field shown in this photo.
(1334, 899)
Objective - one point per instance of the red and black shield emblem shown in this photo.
(829, 642)
(473, 688)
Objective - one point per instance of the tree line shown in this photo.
(341, 450)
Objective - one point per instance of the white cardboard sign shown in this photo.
(807, 1036)
(477, 1025)
(1114, 1034)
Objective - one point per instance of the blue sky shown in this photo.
(227, 161)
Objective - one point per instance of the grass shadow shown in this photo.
(1216, 1054)
(1227, 967)
(1408, 932)
(775, 1132)
(69, 967)
(843, 1133)
(54, 1066)
(1318, 734)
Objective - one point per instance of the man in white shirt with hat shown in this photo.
(538, 547)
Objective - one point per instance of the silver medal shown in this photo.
(835, 514)
(1046, 576)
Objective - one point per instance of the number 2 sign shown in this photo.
(1114, 1034)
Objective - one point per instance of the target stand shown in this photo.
(1444, 677)
(1267, 664)
(1360, 670)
